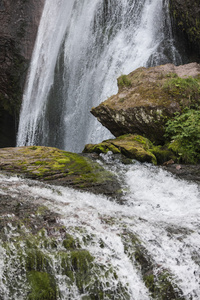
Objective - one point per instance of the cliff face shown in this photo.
(19, 22)
(186, 18)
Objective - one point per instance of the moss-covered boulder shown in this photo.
(19, 24)
(58, 167)
(134, 147)
(148, 97)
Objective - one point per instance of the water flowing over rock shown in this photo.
(147, 98)
(59, 243)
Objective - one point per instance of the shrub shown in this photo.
(123, 81)
(184, 132)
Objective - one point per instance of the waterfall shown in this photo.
(81, 49)
(152, 235)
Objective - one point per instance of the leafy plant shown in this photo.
(184, 132)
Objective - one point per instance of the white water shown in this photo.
(161, 210)
(81, 48)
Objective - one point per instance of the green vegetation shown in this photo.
(184, 132)
(187, 90)
(43, 286)
(123, 81)
(132, 146)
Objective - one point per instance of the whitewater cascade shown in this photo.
(81, 49)
(153, 236)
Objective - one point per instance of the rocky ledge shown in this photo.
(58, 167)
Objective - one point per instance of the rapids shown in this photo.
(159, 212)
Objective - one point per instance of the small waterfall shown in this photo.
(81, 48)
(153, 236)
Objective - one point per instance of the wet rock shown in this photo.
(184, 171)
(186, 15)
(19, 20)
(132, 146)
(59, 167)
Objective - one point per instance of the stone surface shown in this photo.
(59, 167)
(147, 98)
(19, 20)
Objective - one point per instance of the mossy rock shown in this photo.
(134, 147)
(148, 98)
(58, 167)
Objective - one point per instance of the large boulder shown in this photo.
(148, 97)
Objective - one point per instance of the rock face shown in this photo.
(186, 18)
(59, 168)
(19, 22)
(147, 98)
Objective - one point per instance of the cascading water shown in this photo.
(58, 243)
(81, 48)
(144, 248)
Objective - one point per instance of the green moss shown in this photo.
(38, 163)
(50, 164)
(63, 160)
(183, 131)
(43, 286)
(123, 81)
(186, 19)
(132, 146)
(163, 154)
(69, 243)
(36, 260)
(158, 281)
(187, 90)
(103, 147)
